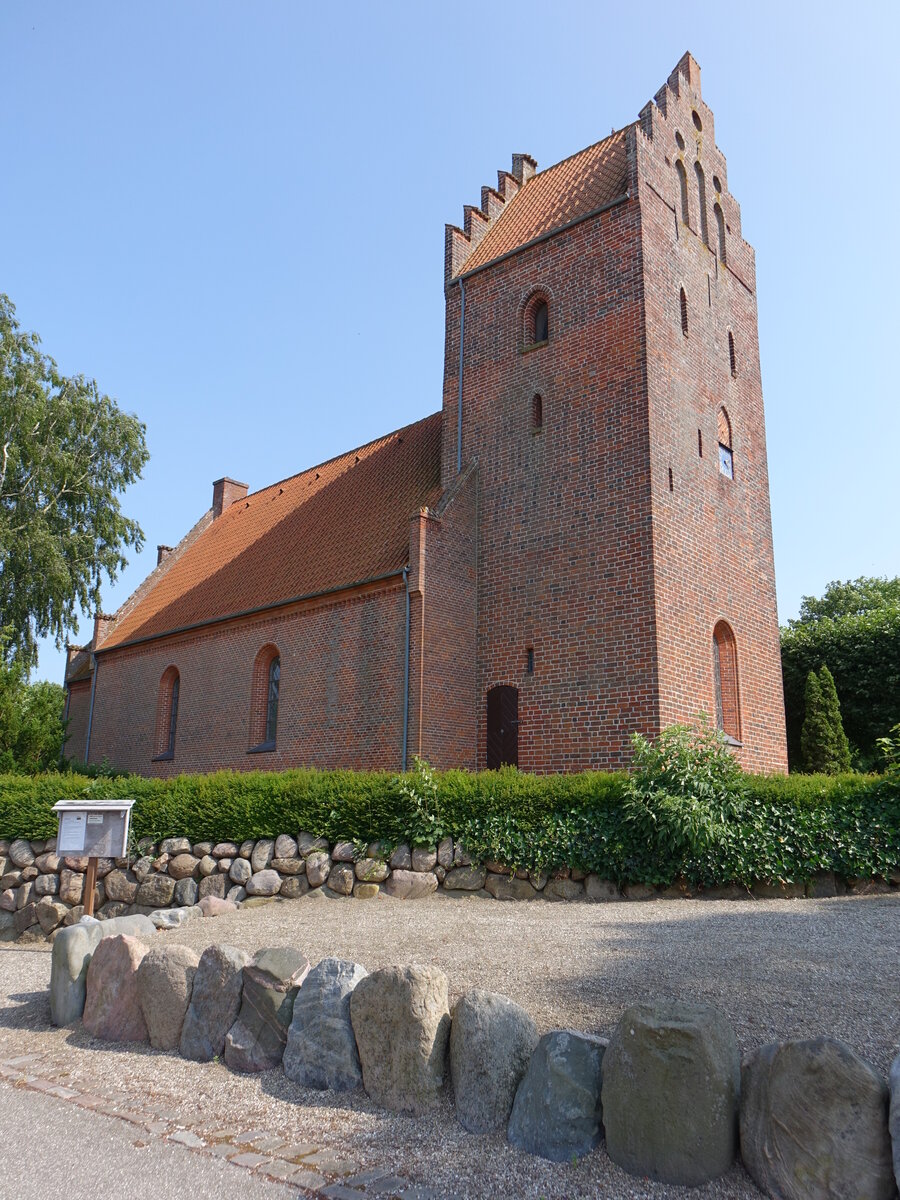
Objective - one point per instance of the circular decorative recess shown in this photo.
(679, 140)
(698, 124)
(717, 183)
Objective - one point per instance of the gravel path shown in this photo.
(777, 969)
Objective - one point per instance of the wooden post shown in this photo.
(90, 884)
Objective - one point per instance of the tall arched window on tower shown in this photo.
(726, 455)
(166, 715)
(264, 700)
(720, 225)
(725, 673)
(683, 191)
(701, 201)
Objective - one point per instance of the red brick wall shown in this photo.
(443, 572)
(78, 710)
(564, 549)
(340, 700)
(712, 536)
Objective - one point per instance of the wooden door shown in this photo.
(502, 727)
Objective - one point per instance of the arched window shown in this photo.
(264, 700)
(682, 299)
(720, 225)
(701, 200)
(726, 456)
(725, 673)
(683, 189)
(166, 714)
(537, 413)
(731, 355)
(537, 321)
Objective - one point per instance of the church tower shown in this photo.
(603, 406)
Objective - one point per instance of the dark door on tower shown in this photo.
(502, 727)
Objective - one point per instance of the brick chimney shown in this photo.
(163, 552)
(102, 623)
(225, 492)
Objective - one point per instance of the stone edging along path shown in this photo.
(810, 1119)
(41, 891)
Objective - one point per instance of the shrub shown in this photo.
(685, 811)
(823, 744)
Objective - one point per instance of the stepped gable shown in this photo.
(539, 203)
(338, 524)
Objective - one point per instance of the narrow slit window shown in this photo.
(671, 481)
(732, 360)
(167, 715)
(725, 676)
(682, 300)
(541, 322)
(272, 699)
(720, 226)
(701, 201)
(264, 698)
(683, 191)
(726, 455)
(700, 442)
(537, 413)
(529, 660)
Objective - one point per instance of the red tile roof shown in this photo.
(341, 523)
(555, 197)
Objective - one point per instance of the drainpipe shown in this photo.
(406, 671)
(462, 331)
(87, 747)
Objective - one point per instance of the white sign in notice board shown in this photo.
(70, 839)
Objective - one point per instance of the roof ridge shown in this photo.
(335, 457)
(584, 149)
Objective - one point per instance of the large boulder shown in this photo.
(318, 866)
(174, 845)
(491, 1043)
(257, 1039)
(165, 978)
(215, 1002)
(262, 855)
(156, 891)
(186, 892)
(285, 846)
(671, 1084)
(71, 887)
(502, 887)
(134, 924)
(341, 878)
(112, 1010)
(814, 1123)
(321, 1049)
(121, 885)
(21, 853)
(401, 1021)
(174, 918)
(212, 885)
(263, 883)
(69, 962)
(411, 885)
(240, 871)
(557, 1112)
(50, 913)
(183, 866)
(46, 885)
(465, 879)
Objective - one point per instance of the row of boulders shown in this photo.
(668, 1090)
(41, 890)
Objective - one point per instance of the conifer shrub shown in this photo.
(823, 744)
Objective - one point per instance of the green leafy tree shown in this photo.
(31, 722)
(855, 629)
(840, 746)
(67, 451)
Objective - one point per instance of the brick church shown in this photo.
(577, 546)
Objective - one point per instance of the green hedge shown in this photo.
(791, 827)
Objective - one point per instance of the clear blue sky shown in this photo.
(231, 215)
